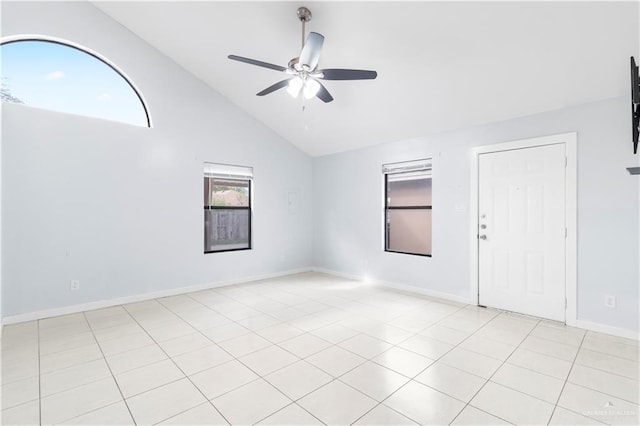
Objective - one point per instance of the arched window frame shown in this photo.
(83, 49)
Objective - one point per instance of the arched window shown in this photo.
(59, 76)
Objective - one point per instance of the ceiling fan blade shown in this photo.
(310, 54)
(346, 74)
(258, 63)
(274, 87)
(323, 94)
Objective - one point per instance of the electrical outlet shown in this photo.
(609, 301)
(74, 285)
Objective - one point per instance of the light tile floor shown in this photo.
(313, 349)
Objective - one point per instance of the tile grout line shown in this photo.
(390, 408)
(604, 393)
(104, 357)
(287, 406)
(609, 372)
(91, 411)
(610, 354)
(566, 380)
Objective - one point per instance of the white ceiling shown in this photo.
(441, 65)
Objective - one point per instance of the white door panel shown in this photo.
(521, 208)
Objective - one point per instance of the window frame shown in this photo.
(249, 208)
(66, 43)
(387, 208)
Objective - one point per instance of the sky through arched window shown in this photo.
(55, 76)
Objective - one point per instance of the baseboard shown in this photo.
(606, 329)
(339, 274)
(72, 309)
(425, 292)
(397, 286)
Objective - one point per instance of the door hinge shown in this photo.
(566, 161)
(566, 232)
(565, 303)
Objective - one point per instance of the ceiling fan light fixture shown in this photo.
(311, 88)
(295, 85)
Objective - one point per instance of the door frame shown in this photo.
(570, 140)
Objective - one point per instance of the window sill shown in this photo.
(227, 250)
(410, 254)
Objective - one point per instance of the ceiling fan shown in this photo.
(303, 70)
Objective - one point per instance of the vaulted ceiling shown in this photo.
(441, 65)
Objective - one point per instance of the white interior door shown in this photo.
(521, 245)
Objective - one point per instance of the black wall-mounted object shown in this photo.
(635, 104)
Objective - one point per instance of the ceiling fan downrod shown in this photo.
(304, 15)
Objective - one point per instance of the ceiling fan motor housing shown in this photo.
(293, 64)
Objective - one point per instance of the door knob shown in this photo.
(483, 237)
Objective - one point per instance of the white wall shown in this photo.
(1, 256)
(119, 207)
(348, 208)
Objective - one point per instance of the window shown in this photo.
(227, 207)
(408, 207)
(62, 77)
